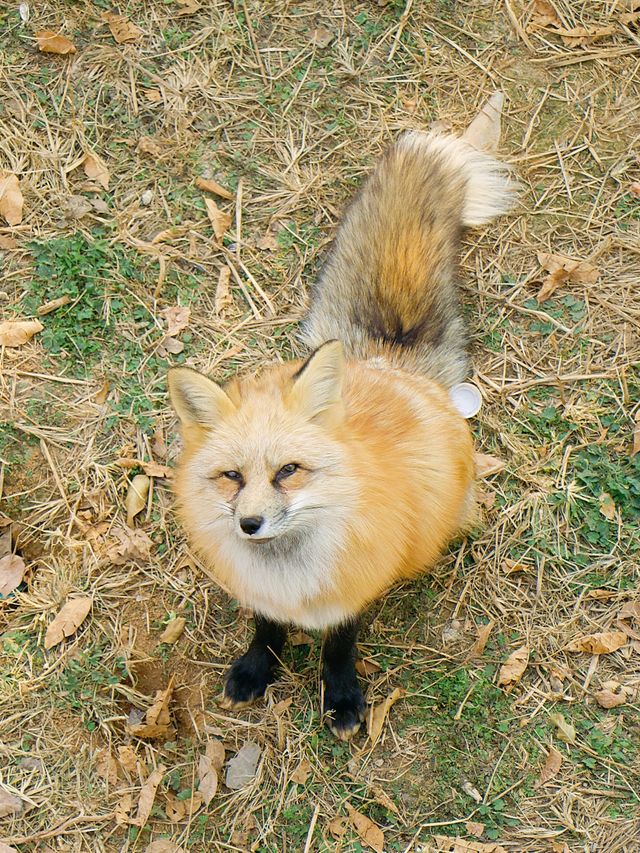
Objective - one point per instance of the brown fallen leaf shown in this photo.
(636, 435)
(382, 798)
(147, 797)
(602, 643)
(130, 545)
(209, 766)
(218, 218)
(268, 242)
(544, 15)
(50, 42)
(158, 713)
(137, 494)
(630, 610)
(484, 131)
(563, 269)
(6, 848)
(123, 808)
(68, 620)
(128, 760)
(9, 803)
(96, 169)
(53, 305)
(367, 666)
(223, 296)
(484, 632)
(634, 189)
(566, 731)
(299, 638)
(607, 506)
(173, 630)
(378, 713)
(12, 569)
(613, 694)
(187, 7)
(510, 567)
(154, 96)
(177, 318)
(148, 145)
(474, 828)
(321, 37)
(170, 345)
(513, 668)
(121, 28)
(301, 773)
(486, 465)
(6, 242)
(280, 707)
(11, 199)
(163, 845)
(446, 844)
(338, 827)
(551, 766)
(211, 186)
(107, 766)
(370, 834)
(15, 333)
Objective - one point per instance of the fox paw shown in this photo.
(247, 680)
(345, 711)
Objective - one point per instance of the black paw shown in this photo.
(247, 679)
(345, 709)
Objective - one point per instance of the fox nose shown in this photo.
(251, 524)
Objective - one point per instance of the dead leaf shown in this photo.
(268, 243)
(280, 707)
(242, 767)
(563, 269)
(613, 694)
(163, 845)
(107, 766)
(211, 186)
(218, 218)
(68, 620)
(50, 42)
(382, 798)
(12, 569)
(551, 766)
(208, 773)
(147, 797)
(446, 844)
(634, 189)
(6, 540)
(367, 666)
(299, 638)
(470, 791)
(566, 731)
(474, 828)
(148, 145)
(636, 435)
(177, 318)
(15, 333)
(131, 545)
(510, 567)
(76, 207)
(321, 37)
(223, 296)
(11, 199)
(128, 760)
(607, 506)
(484, 632)
(173, 631)
(155, 469)
(487, 465)
(5, 848)
(96, 169)
(170, 345)
(599, 644)
(301, 773)
(630, 610)
(53, 305)
(187, 7)
(9, 803)
(136, 499)
(484, 131)
(378, 713)
(513, 668)
(338, 827)
(544, 14)
(370, 834)
(121, 28)
(6, 242)
(158, 719)
(154, 96)
(123, 808)
(559, 847)
(99, 398)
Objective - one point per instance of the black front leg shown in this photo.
(250, 674)
(342, 700)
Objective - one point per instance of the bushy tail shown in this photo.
(388, 286)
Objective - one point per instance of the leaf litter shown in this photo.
(241, 769)
(12, 569)
(15, 333)
(50, 42)
(137, 494)
(68, 620)
(11, 198)
(158, 718)
(514, 667)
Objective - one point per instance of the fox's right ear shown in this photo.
(317, 386)
(197, 399)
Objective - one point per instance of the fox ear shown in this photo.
(197, 400)
(317, 386)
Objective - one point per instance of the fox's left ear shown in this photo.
(317, 386)
(198, 401)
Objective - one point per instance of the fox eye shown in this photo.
(287, 470)
(232, 475)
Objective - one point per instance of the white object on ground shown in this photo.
(467, 399)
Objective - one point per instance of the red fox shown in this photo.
(313, 487)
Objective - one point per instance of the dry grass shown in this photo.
(242, 93)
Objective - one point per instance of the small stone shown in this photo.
(146, 198)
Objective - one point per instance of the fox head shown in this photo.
(263, 459)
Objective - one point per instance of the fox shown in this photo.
(312, 487)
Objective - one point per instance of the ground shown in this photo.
(287, 106)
